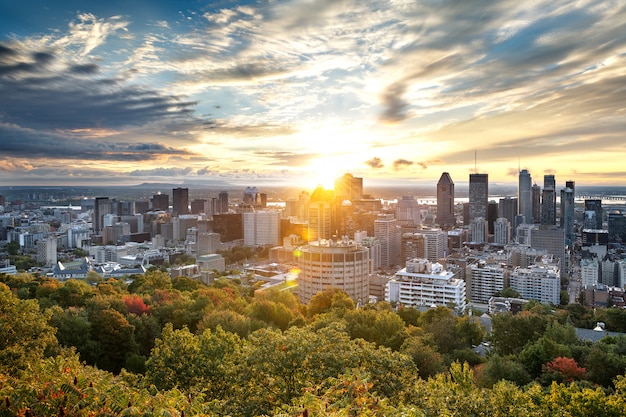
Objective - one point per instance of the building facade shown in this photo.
(327, 264)
(422, 283)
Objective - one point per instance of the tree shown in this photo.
(428, 361)
(563, 369)
(324, 300)
(510, 333)
(25, 335)
(384, 328)
(499, 368)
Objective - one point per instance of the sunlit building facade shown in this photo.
(342, 264)
(423, 283)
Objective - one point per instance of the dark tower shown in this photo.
(445, 201)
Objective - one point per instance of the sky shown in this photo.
(300, 92)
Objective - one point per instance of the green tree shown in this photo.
(510, 333)
(499, 368)
(25, 334)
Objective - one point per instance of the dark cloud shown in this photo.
(161, 172)
(401, 163)
(27, 143)
(375, 163)
(84, 69)
(31, 94)
(5, 51)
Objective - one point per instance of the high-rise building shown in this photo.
(222, 203)
(435, 244)
(47, 250)
(479, 230)
(537, 282)
(160, 202)
(551, 239)
(102, 207)
(261, 228)
(180, 201)
(483, 280)
(408, 211)
(535, 197)
(387, 231)
(567, 212)
(524, 196)
(320, 220)
(478, 193)
(349, 187)
(502, 231)
(548, 200)
(445, 201)
(595, 206)
(507, 208)
(342, 264)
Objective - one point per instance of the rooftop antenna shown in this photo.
(475, 163)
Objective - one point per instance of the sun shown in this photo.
(322, 172)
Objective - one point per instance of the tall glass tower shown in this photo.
(523, 196)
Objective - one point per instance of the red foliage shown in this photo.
(135, 305)
(567, 367)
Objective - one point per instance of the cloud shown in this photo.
(375, 163)
(12, 165)
(162, 172)
(401, 163)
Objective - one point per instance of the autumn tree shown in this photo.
(25, 334)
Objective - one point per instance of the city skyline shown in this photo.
(301, 92)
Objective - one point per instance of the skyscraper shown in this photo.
(478, 192)
(180, 203)
(594, 206)
(445, 201)
(567, 211)
(388, 233)
(349, 187)
(222, 202)
(102, 206)
(548, 200)
(160, 202)
(535, 201)
(524, 196)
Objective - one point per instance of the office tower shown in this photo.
(180, 201)
(502, 231)
(524, 196)
(492, 215)
(349, 187)
(507, 208)
(142, 206)
(320, 220)
(387, 231)
(261, 228)
(595, 207)
(102, 207)
(222, 202)
(567, 212)
(199, 206)
(160, 202)
(408, 211)
(617, 226)
(478, 192)
(422, 283)
(328, 264)
(551, 239)
(445, 201)
(535, 197)
(548, 201)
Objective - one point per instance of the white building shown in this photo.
(47, 250)
(435, 244)
(340, 264)
(501, 231)
(261, 228)
(539, 282)
(483, 280)
(423, 283)
(478, 227)
(589, 271)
